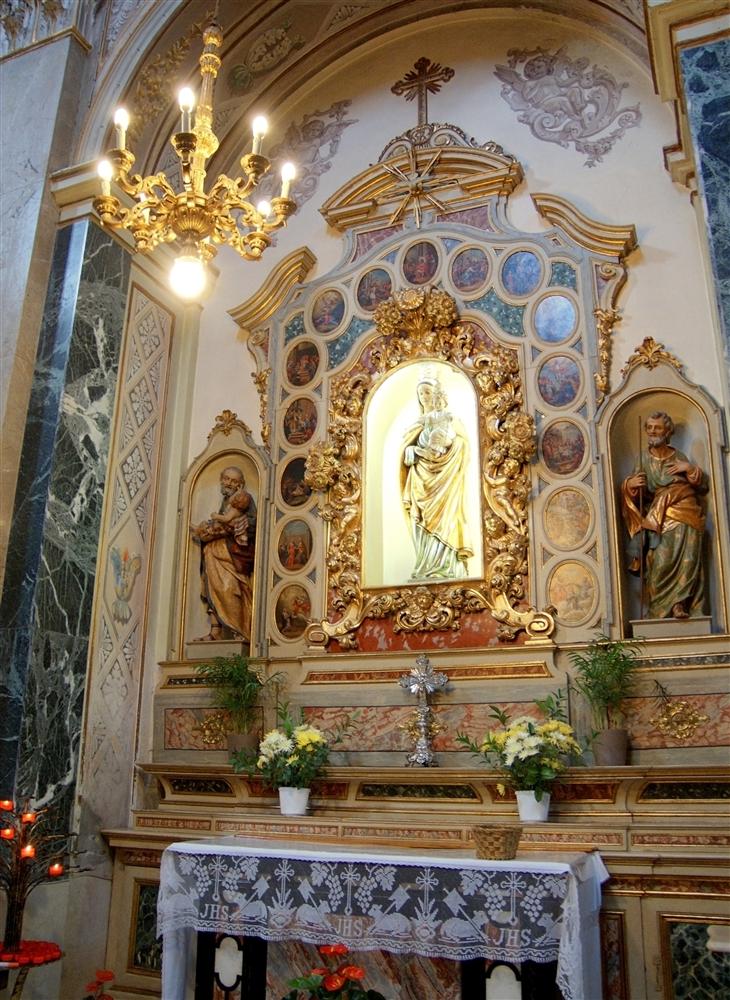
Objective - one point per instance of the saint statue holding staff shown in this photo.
(662, 510)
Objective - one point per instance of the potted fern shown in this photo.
(239, 691)
(606, 676)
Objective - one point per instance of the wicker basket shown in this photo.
(496, 842)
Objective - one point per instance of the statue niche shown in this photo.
(433, 392)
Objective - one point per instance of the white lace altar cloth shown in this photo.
(438, 904)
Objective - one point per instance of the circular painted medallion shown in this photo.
(555, 319)
(328, 310)
(567, 518)
(374, 287)
(294, 491)
(420, 263)
(521, 272)
(293, 611)
(302, 363)
(558, 380)
(295, 545)
(469, 269)
(572, 591)
(563, 447)
(300, 421)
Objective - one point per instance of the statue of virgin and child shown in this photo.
(435, 458)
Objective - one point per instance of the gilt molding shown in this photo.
(291, 271)
(597, 237)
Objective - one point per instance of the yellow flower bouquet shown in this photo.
(529, 753)
(291, 756)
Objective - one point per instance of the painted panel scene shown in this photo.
(521, 273)
(420, 263)
(300, 421)
(567, 518)
(295, 545)
(563, 447)
(294, 491)
(375, 287)
(327, 311)
(302, 363)
(293, 611)
(469, 269)
(559, 380)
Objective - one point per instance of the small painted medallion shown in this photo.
(300, 421)
(555, 319)
(469, 269)
(558, 380)
(293, 611)
(295, 545)
(572, 591)
(294, 491)
(567, 518)
(563, 447)
(328, 310)
(375, 287)
(522, 273)
(302, 363)
(420, 263)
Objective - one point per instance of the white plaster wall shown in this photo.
(666, 295)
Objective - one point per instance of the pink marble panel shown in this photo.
(182, 729)
(715, 732)
(381, 728)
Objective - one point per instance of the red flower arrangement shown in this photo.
(96, 990)
(338, 982)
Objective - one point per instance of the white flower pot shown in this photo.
(530, 810)
(293, 801)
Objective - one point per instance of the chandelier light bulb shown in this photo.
(264, 208)
(187, 276)
(121, 123)
(105, 171)
(186, 100)
(288, 173)
(259, 127)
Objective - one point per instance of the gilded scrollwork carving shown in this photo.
(650, 354)
(261, 381)
(422, 325)
(606, 319)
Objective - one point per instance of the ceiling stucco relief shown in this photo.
(567, 101)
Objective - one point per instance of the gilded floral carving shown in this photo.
(425, 325)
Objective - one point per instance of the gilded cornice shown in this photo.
(292, 270)
(597, 237)
(375, 193)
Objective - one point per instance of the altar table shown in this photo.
(446, 904)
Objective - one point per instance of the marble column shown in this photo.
(706, 78)
(49, 582)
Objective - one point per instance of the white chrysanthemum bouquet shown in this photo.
(292, 756)
(530, 753)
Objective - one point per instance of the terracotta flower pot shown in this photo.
(611, 747)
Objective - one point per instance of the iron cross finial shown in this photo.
(425, 78)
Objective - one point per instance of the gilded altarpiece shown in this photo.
(451, 293)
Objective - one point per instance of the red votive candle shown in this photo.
(6, 805)
(55, 869)
(27, 851)
(7, 833)
(28, 817)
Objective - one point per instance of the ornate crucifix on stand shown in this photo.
(423, 682)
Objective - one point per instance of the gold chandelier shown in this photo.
(196, 221)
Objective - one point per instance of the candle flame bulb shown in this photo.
(121, 123)
(264, 209)
(7, 833)
(288, 173)
(55, 869)
(6, 805)
(259, 127)
(28, 817)
(186, 100)
(27, 851)
(106, 172)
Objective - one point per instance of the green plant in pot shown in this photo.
(606, 676)
(240, 691)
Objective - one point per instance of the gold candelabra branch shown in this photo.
(196, 221)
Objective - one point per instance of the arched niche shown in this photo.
(652, 382)
(230, 446)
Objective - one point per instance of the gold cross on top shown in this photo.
(425, 78)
